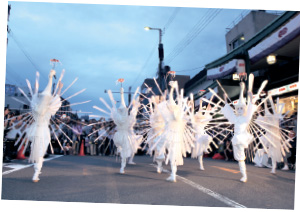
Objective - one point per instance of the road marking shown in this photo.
(16, 167)
(207, 191)
(228, 170)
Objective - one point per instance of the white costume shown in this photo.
(43, 105)
(261, 158)
(154, 140)
(37, 121)
(177, 139)
(203, 140)
(136, 138)
(124, 138)
(241, 121)
(272, 138)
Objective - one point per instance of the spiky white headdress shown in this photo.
(122, 105)
(241, 101)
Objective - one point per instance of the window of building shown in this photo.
(237, 42)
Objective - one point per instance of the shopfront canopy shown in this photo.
(276, 40)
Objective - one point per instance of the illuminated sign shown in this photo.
(284, 89)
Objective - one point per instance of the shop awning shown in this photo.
(223, 70)
(276, 40)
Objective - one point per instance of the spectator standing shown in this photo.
(77, 136)
(228, 152)
(92, 139)
(11, 137)
(102, 137)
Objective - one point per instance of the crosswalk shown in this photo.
(14, 166)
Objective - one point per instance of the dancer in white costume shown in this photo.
(125, 139)
(36, 121)
(176, 136)
(137, 138)
(275, 142)
(241, 119)
(157, 125)
(43, 105)
(202, 144)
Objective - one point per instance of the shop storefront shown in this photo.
(288, 95)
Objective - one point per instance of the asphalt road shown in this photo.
(96, 179)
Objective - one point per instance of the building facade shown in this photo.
(280, 39)
(251, 24)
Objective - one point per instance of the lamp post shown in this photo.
(160, 72)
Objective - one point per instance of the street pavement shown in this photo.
(96, 179)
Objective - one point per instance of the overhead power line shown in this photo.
(172, 17)
(26, 54)
(191, 69)
(169, 22)
(199, 27)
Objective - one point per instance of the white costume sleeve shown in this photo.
(228, 113)
(55, 104)
(250, 111)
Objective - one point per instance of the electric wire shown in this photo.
(26, 54)
(169, 22)
(199, 27)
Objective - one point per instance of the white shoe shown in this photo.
(122, 171)
(131, 162)
(242, 166)
(285, 168)
(273, 172)
(172, 178)
(243, 179)
(35, 177)
(201, 168)
(159, 169)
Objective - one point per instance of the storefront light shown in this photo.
(235, 76)
(271, 59)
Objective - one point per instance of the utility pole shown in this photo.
(160, 73)
(8, 14)
(129, 95)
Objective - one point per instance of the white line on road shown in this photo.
(217, 196)
(16, 167)
(207, 191)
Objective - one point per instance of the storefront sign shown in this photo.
(283, 89)
(293, 87)
(222, 71)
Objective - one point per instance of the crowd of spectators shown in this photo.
(79, 137)
(95, 137)
(75, 136)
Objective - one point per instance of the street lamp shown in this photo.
(160, 31)
(160, 73)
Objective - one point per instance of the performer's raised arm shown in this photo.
(251, 107)
(60, 86)
(228, 111)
